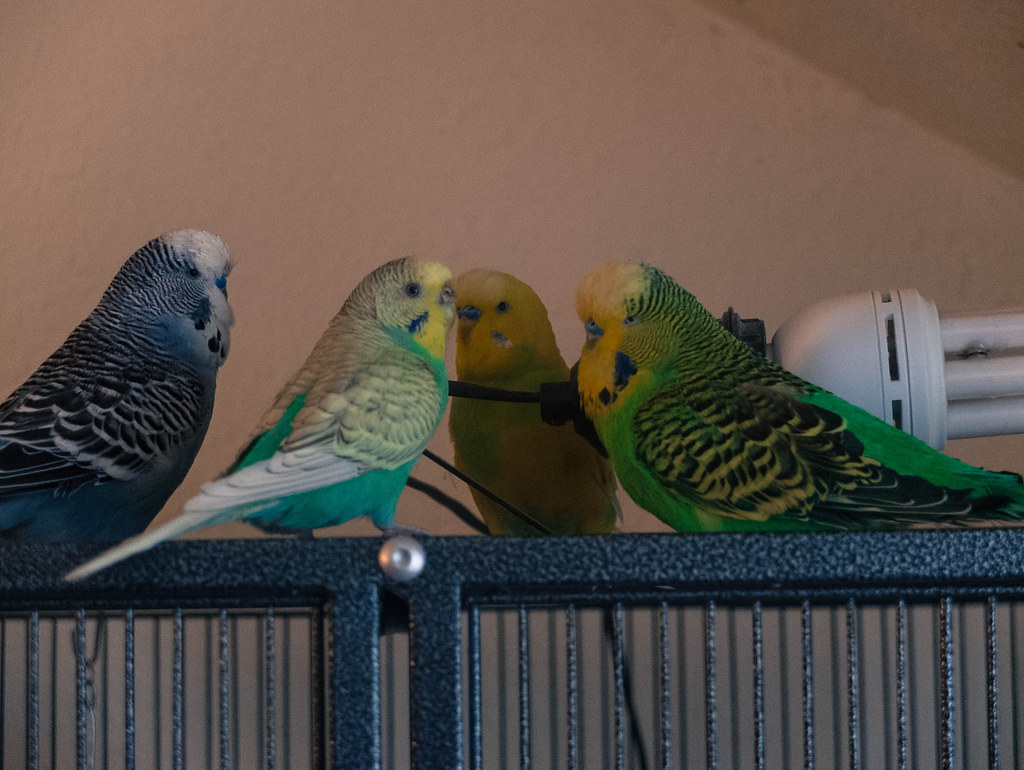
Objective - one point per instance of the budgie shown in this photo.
(708, 435)
(550, 473)
(344, 433)
(98, 437)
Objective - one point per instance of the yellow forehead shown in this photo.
(432, 275)
(603, 293)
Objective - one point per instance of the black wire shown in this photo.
(448, 502)
(482, 392)
(635, 731)
(484, 490)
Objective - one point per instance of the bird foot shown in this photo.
(394, 530)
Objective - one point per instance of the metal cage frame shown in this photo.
(343, 579)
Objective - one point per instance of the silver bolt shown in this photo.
(402, 558)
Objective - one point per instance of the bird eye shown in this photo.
(413, 289)
(502, 307)
(631, 320)
(193, 271)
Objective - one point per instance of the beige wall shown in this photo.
(321, 139)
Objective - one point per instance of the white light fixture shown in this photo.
(890, 353)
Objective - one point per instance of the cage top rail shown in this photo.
(290, 571)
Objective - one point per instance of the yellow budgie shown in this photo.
(550, 473)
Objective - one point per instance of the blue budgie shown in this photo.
(344, 433)
(97, 439)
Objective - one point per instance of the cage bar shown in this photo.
(597, 652)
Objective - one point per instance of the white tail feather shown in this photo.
(187, 522)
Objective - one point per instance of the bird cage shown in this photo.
(867, 650)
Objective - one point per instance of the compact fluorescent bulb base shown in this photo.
(891, 354)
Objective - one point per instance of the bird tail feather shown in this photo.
(187, 522)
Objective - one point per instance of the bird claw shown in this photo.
(396, 530)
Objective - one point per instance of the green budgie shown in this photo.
(708, 435)
(343, 435)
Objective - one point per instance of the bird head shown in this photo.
(638, 321)
(412, 299)
(503, 328)
(176, 288)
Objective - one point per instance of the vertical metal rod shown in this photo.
(81, 717)
(991, 675)
(286, 687)
(886, 669)
(963, 714)
(476, 749)
(501, 687)
(225, 709)
(837, 657)
(354, 683)
(236, 701)
(758, 686)
(571, 698)
(260, 706)
(524, 690)
(901, 683)
(736, 737)
(389, 696)
(435, 675)
(946, 743)
(103, 637)
(709, 685)
(317, 706)
(666, 688)
(682, 628)
(620, 687)
(271, 684)
(852, 677)
(53, 693)
(33, 691)
(555, 740)
(808, 684)
(129, 688)
(3, 681)
(178, 692)
(784, 699)
(1016, 690)
(157, 695)
(208, 697)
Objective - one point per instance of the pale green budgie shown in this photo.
(708, 435)
(343, 435)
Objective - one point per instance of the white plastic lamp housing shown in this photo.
(879, 350)
(889, 353)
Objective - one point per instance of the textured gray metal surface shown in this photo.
(343, 580)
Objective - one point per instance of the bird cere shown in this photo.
(699, 429)
(98, 437)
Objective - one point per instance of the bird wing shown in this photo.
(766, 451)
(59, 431)
(378, 415)
(752, 453)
